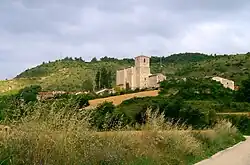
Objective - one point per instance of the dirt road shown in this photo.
(116, 100)
(237, 155)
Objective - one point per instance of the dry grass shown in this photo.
(66, 139)
(116, 100)
(235, 113)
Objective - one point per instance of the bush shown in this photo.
(101, 114)
(61, 138)
(244, 92)
(174, 109)
(29, 93)
(81, 101)
(242, 122)
(196, 89)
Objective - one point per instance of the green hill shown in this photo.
(76, 75)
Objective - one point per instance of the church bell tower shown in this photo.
(142, 66)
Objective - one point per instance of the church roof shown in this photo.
(142, 56)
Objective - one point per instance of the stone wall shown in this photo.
(225, 82)
(155, 79)
(138, 76)
(120, 78)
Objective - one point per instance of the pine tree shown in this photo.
(94, 59)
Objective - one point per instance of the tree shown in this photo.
(97, 80)
(29, 93)
(104, 78)
(88, 85)
(80, 59)
(82, 101)
(94, 59)
(244, 92)
(109, 78)
(101, 114)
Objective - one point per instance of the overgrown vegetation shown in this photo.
(60, 131)
(54, 135)
(103, 79)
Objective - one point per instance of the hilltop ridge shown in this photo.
(70, 74)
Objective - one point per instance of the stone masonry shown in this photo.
(225, 82)
(138, 76)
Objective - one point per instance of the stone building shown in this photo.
(225, 82)
(138, 76)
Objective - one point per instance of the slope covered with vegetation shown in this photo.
(58, 131)
(76, 75)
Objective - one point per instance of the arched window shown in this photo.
(144, 60)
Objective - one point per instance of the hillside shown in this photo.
(75, 74)
(68, 75)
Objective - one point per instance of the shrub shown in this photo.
(242, 122)
(174, 109)
(29, 93)
(101, 114)
(196, 89)
(60, 138)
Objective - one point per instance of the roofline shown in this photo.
(142, 56)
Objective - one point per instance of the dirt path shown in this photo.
(116, 100)
(237, 155)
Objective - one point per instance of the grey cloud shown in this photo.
(33, 31)
(197, 5)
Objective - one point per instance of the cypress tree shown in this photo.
(97, 80)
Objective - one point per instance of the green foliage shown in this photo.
(94, 59)
(69, 74)
(174, 109)
(244, 92)
(49, 137)
(196, 89)
(242, 122)
(29, 93)
(103, 79)
(193, 101)
(219, 106)
(108, 59)
(81, 101)
(88, 85)
(183, 58)
(97, 80)
(64, 75)
(13, 107)
(102, 112)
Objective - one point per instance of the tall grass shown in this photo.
(49, 137)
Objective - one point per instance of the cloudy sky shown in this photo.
(33, 31)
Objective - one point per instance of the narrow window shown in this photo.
(144, 60)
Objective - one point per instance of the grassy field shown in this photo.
(62, 139)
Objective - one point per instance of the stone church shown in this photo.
(138, 76)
